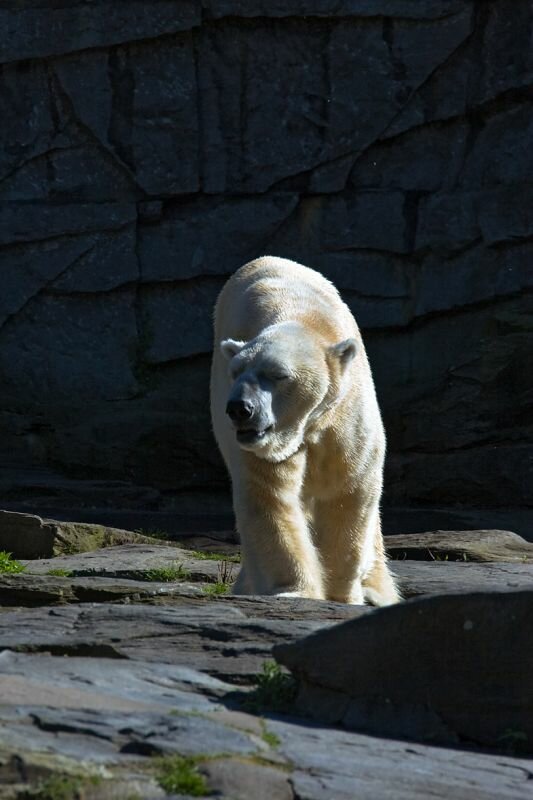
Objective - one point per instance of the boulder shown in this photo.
(242, 780)
(447, 669)
(418, 578)
(490, 545)
(37, 590)
(343, 765)
(27, 536)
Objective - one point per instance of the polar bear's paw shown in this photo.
(308, 593)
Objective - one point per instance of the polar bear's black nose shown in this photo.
(239, 410)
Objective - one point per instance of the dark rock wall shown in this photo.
(147, 149)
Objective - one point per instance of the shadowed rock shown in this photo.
(445, 669)
(398, 166)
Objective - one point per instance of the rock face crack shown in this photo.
(43, 289)
(60, 727)
(122, 90)
(117, 151)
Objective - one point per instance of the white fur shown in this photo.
(306, 495)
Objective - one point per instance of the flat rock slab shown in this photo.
(132, 573)
(144, 680)
(27, 589)
(113, 723)
(30, 536)
(105, 684)
(343, 765)
(102, 736)
(457, 667)
(134, 561)
(287, 608)
(109, 737)
(417, 578)
(217, 638)
(36, 590)
(153, 666)
(223, 542)
(488, 545)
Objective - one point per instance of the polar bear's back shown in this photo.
(271, 290)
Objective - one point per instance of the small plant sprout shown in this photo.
(60, 573)
(10, 565)
(153, 533)
(224, 581)
(214, 589)
(204, 555)
(267, 736)
(179, 775)
(174, 572)
(276, 690)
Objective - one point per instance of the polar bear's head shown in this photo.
(282, 381)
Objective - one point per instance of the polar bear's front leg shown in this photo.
(349, 538)
(278, 554)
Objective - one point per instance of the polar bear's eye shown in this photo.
(281, 376)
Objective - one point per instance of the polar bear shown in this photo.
(296, 418)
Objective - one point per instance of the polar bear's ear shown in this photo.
(345, 351)
(230, 348)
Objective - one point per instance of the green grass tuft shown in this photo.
(214, 589)
(153, 533)
(60, 573)
(174, 572)
(63, 787)
(9, 564)
(270, 738)
(275, 690)
(204, 555)
(179, 775)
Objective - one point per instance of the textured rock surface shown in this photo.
(29, 536)
(444, 577)
(220, 639)
(457, 668)
(460, 546)
(393, 770)
(134, 561)
(36, 590)
(101, 675)
(147, 152)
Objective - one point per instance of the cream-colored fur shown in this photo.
(306, 494)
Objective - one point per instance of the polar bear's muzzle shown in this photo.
(248, 414)
(250, 435)
(240, 411)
